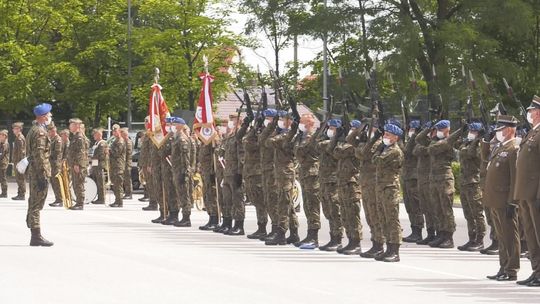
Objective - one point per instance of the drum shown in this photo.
(90, 191)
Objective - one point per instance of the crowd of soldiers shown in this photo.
(340, 168)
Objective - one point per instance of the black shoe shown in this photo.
(476, 246)
(226, 226)
(354, 247)
(38, 240)
(293, 236)
(527, 280)
(448, 241)
(393, 255)
(438, 240)
(271, 234)
(495, 276)
(238, 228)
(18, 198)
(465, 246)
(277, 239)
(429, 238)
(185, 222)
(150, 207)
(492, 249)
(160, 219)
(506, 277)
(349, 246)
(333, 245)
(144, 199)
(311, 241)
(212, 223)
(127, 197)
(116, 205)
(56, 204)
(98, 202)
(376, 249)
(415, 236)
(261, 232)
(77, 207)
(171, 219)
(382, 255)
(534, 283)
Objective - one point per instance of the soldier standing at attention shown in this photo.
(39, 172)
(470, 192)
(77, 161)
(128, 182)
(410, 186)
(18, 153)
(144, 163)
(284, 174)
(527, 191)
(307, 156)
(181, 153)
(499, 197)
(100, 159)
(208, 173)
(4, 161)
(117, 166)
(55, 160)
(167, 171)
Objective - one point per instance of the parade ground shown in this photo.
(112, 255)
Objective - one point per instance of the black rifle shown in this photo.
(499, 107)
(263, 104)
(287, 95)
(522, 110)
(376, 111)
(437, 112)
(484, 115)
(469, 113)
(246, 100)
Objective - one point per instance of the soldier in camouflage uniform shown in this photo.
(349, 191)
(252, 176)
(411, 195)
(140, 168)
(17, 154)
(64, 134)
(39, 172)
(194, 147)
(154, 171)
(55, 160)
(167, 172)
(470, 192)
(117, 165)
(100, 159)
(128, 181)
(77, 161)
(145, 164)
(267, 167)
(307, 156)
(284, 174)
(208, 173)
(4, 161)
(182, 166)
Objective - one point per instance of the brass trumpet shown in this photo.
(65, 190)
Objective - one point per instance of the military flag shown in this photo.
(204, 116)
(157, 113)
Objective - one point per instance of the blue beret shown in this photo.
(282, 113)
(355, 123)
(443, 124)
(414, 124)
(392, 128)
(42, 109)
(270, 113)
(177, 120)
(334, 123)
(427, 125)
(476, 126)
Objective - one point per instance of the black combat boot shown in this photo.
(495, 276)
(225, 226)
(18, 198)
(415, 236)
(212, 222)
(77, 206)
(293, 236)
(333, 245)
(98, 202)
(438, 239)
(376, 248)
(271, 234)
(340, 250)
(37, 239)
(527, 280)
(171, 219)
(219, 226)
(118, 204)
(184, 222)
(145, 197)
(466, 246)
(492, 249)
(277, 239)
(152, 206)
(477, 244)
(56, 204)
(393, 254)
(238, 228)
(382, 255)
(311, 241)
(354, 247)
(160, 219)
(261, 232)
(448, 240)
(429, 238)
(4, 192)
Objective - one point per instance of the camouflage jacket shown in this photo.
(469, 158)
(364, 152)
(232, 155)
(101, 154)
(410, 171)
(252, 154)
(39, 150)
(4, 155)
(77, 153)
(328, 163)
(55, 157)
(441, 154)
(267, 152)
(283, 154)
(181, 154)
(117, 154)
(165, 152)
(307, 155)
(129, 153)
(388, 161)
(348, 164)
(19, 149)
(206, 159)
(144, 155)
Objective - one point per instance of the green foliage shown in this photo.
(456, 170)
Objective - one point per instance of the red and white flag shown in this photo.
(204, 116)
(157, 113)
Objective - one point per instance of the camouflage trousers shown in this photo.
(471, 202)
(169, 189)
(36, 200)
(21, 185)
(182, 201)
(529, 216)
(117, 181)
(232, 199)
(209, 194)
(388, 197)
(97, 176)
(349, 198)
(156, 186)
(442, 194)
(287, 218)
(312, 201)
(374, 212)
(77, 181)
(3, 180)
(508, 235)
(426, 204)
(412, 203)
(331, 207)
(128, 181)
(270, 196)
(254, 192)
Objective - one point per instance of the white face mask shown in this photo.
(266, 122)
(281, 124)
(500, 136)
(350, 132)
(386, 141)
(173, 129)
(302, 127)
(168, 129)
(411, 133)
(230, 124)
(440, 134)
(529, 118)
(471, 136)
(330, 133)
